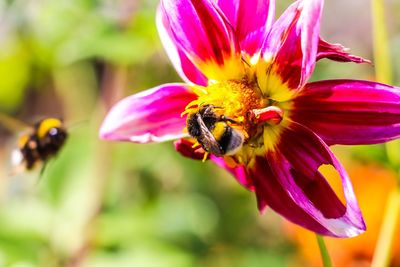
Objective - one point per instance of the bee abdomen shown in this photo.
(231, 141)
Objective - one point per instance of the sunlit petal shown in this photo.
(292, 45)
(150, 116)
(185, 68)
(203, 34)
(251, 19)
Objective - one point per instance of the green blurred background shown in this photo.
(102, 204)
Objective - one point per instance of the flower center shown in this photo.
(232, 118)
(233, 99)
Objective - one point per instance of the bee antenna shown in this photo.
(78, 123)
(217, 107)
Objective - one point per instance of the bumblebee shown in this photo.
(213, 132)
(43, 142)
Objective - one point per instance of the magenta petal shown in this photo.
(289, 182)
(185, 68)
(201, 32)
(337, 52)
(150, 116)
(349, 112)
(293, 42)
(251, 19)
(239, 172)
(186, 149)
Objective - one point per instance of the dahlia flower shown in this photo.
(246, 80)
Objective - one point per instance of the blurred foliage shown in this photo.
(106, 204)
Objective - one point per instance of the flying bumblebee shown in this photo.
(213, 132)
(41, 143)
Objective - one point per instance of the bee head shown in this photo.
(57, 135)
(51, 131)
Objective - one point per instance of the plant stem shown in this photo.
(383, 69)
(386, 237)
(383, 72)
(326, 260)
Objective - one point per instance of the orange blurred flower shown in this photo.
(372, 184)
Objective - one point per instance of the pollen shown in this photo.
(243, 105)
(233, 99)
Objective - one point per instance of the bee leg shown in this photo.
(42, 169)
(227, 119)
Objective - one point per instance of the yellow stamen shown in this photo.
(199, 90)
(205, 156)
(196, 144)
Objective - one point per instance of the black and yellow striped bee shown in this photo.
(213, 132)
(41, 143)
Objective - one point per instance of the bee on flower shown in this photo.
(246, 105)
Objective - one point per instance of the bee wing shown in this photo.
(208, 140)
(12, 124)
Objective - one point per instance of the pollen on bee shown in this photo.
(232, 99)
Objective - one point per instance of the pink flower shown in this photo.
(246, 80)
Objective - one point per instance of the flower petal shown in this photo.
(251, 19)
(238, 171)
(349, 111)
(337, 52)
(149, 116)
(288, 180)
(185, 68)
(203, 34)
(293, 42)
(186, 149)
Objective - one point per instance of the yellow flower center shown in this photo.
(258, 106)
(233, 99)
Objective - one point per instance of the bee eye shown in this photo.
(53, 131)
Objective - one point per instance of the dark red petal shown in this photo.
(349, 111)
(289, 181)
(239, 172)
(185, 148)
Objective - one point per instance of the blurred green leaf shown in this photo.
(14, 73)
